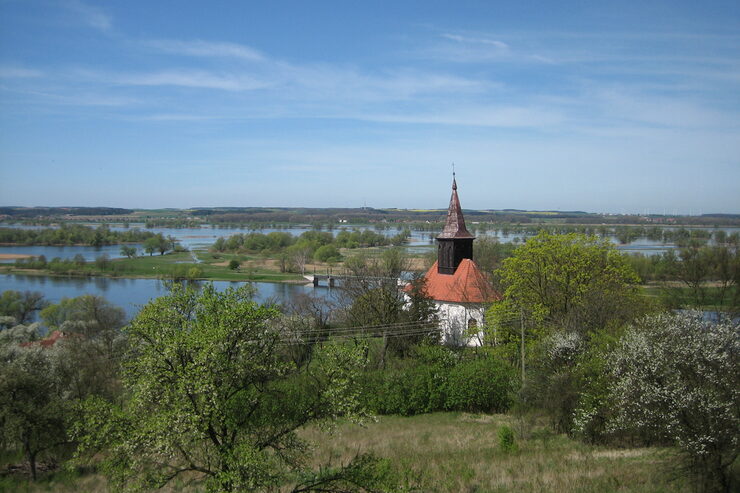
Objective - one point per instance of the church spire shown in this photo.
(455, 223)
(455, 242)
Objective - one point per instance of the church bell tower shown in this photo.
(455, 243)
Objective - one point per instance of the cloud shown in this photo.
(470, 40)
(193, 79)
(208, 49)
(661, 111)
(461, 48)
(176, 117)
(90, 15)
(327, 83)
(10, 72)
(484, 116)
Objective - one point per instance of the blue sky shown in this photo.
(596, 106)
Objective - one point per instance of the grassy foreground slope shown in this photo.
(458, 452)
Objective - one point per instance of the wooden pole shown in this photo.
(521, 323)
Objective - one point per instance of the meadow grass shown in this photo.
(455, 452)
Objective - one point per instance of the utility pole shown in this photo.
(521, 323)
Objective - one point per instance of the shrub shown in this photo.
(435, 381)
(506, 439)
(406, 391)
(480, 385)
(677, 377)
(326, 253)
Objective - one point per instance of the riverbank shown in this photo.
(200, 266)
(14, 256)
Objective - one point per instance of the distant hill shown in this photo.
(333, 215)
(31, 212)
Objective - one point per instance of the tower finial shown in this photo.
(454, 183)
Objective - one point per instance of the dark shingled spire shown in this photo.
(455, 224)
(455, 243)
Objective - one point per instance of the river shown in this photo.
(132, 294)
(204, 237)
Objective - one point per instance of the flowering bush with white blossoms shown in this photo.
(564, 347)
(677, 377)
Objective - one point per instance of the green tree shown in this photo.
(374, 299)
(89, 358)
(164, 244)
(21, 305)
(234, 264)
(32, 408)
(327, 253)
(211, 397)
(128, 251)
(95, 312)
(95, 319)
(560, 290)
(572, 282)
(151, 245)
(299, 255)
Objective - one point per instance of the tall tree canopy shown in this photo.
(571, 282)
(211, 396)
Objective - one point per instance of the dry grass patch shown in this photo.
(451, 452)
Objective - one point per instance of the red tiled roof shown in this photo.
(49, 341)
(467, 285)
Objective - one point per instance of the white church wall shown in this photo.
(455, 318)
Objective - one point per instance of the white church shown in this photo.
(460, 290)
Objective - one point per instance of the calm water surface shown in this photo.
(132, 294)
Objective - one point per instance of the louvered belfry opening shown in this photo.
(455, 243)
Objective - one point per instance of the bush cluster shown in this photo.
(278, 242)
(441, 382)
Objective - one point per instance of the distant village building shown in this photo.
(460, 290)
(51, 340)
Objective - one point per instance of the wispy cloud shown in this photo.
(484, 116)
(199, 48)
(71, 98)
(474, 40)
(338, 83)
(190, 78)
(11, 72)
(90, 15)
(662, 111)
(177, 117)
(478, 48)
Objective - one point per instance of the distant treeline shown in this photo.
(22, 212)
(183, 222)
(624, 234)
(72, 234)
(276, 241)
(239, 216)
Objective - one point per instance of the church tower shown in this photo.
(455, 243)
